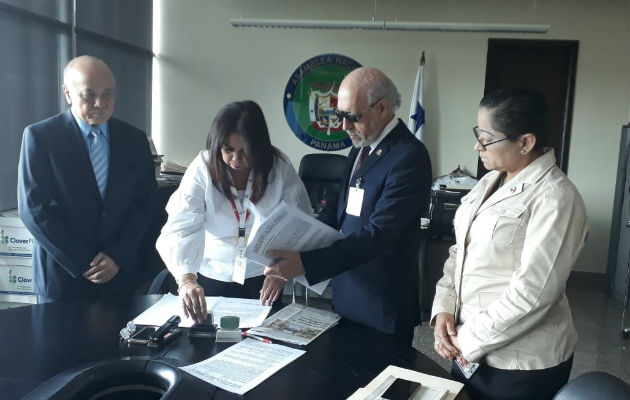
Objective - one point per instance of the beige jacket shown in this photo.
(505, 277)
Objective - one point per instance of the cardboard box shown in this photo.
(15, 239)
(21, 261)
(16, 279)
(18, 299)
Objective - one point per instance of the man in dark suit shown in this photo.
(386, 184)
(86, 190)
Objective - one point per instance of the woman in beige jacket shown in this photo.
(501, 302)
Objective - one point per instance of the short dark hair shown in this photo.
(244, 118)
(518, 111)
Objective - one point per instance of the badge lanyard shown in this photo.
(241, 213)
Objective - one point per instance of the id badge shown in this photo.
(467, 368)
(355, 201)
(240, 266)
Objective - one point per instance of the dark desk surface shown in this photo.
(40, 341)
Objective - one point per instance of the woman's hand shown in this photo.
(271, 290)
(445, 336)
(192, 297)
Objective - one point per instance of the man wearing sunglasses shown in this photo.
(386, 185)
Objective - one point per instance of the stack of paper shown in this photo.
(296, 324)
(249, 311)
(431, 387)
(170, 167)
(243, 366)
(289, 228)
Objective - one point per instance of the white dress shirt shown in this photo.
(199, 236)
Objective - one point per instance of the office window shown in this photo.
(36, 41)
(120, 33)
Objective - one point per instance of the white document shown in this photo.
(249, 311)
(289, 228)
(433, 388)
(243, 366)
(296, 324)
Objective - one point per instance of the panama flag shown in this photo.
(416, 113)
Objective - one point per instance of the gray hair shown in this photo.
(379, 86)
(66, 74)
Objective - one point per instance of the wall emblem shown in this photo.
(310, 99)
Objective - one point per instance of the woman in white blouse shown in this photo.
(227, 188)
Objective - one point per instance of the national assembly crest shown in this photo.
(310, 99)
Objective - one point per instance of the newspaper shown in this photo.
(289, 228)
(296, 324)
(243, 366)
(432, 387)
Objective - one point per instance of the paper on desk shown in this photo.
(249, 311)
(433, 386)
(297, 324)
(289, 228)
(243, 366)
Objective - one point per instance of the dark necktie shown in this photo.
(363, 154)
(99, 158)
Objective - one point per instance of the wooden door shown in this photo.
(547, 66)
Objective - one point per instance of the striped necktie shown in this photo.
(99, 156)
(363, 154)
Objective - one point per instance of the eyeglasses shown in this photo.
(477, 131)
(354, 118)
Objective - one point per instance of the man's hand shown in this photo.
(102, 269)
(286, 265)
(271, 290)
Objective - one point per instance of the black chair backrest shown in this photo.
(322, 174)
(595, 386)
(163, 283)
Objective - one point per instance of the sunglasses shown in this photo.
(354, 118)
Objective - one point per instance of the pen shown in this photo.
(260, 339)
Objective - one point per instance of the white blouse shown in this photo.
(199, 236)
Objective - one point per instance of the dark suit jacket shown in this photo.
(375, 268)
(60, 204)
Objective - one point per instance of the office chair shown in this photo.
(594, 386)
(321, 174)
(163, 283)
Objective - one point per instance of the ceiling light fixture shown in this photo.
(388, 25)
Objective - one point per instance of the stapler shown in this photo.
(167, 333)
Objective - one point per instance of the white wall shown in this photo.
(204, 63)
